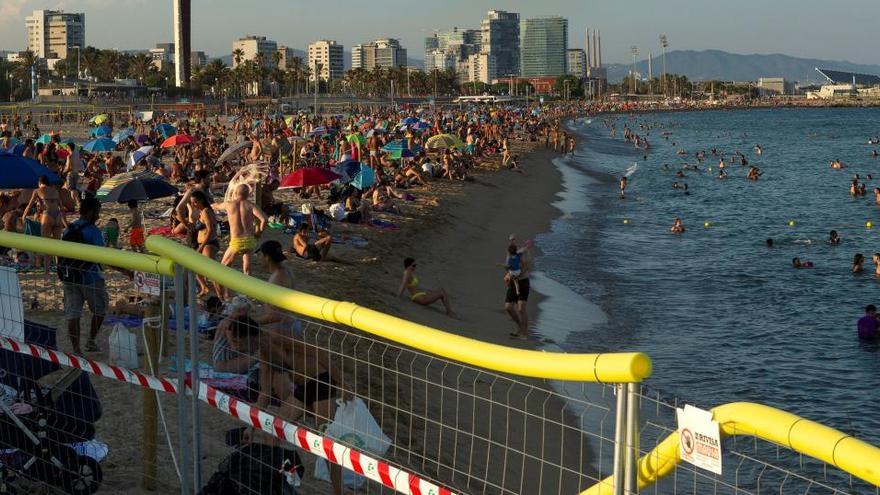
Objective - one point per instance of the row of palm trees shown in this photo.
(246, 78)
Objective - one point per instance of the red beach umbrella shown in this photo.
(177, 140)
(308, 176)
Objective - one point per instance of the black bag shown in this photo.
(71, 270)
(254, 468)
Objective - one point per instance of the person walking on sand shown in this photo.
(410, 282)
(136, 238)
(243, 214)
(517, 297)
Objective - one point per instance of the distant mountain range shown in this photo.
(227, 59)
(707, 65)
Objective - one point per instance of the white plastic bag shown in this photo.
(354, 425)
(123, 347)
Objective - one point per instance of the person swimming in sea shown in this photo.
(722, 174)
(797, 263)
(677, 226)
(857, 263)
(754, 173)
(758, 150)
(876, 260)
(834, 238)
(836, 164)
(768, 243)
(623, 182)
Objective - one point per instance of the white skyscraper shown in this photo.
(328, 56)
(51, 33)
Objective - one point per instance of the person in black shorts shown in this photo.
(517, 296)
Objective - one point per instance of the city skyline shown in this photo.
(744, 30)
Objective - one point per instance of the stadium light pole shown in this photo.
(664, 43)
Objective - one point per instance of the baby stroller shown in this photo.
(43, 429)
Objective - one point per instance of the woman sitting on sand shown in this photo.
(410, 282)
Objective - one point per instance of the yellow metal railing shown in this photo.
(803, 436)
(798, 434)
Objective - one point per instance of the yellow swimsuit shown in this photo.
(243, 245)
(413, 283)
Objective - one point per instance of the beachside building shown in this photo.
(451, 49)
(162, 55)
(576, 61)
(478, 68)
(253, 45)
(385, 52)
(327, 56)
(51, 33)
(543, 46)
(500, 39)
(771, 86)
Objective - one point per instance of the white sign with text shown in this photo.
(699, 438)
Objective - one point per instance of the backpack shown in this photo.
(254, 468)
(71, 270)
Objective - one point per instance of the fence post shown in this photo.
(619, 439)
(179, 284)
(193, 302)
(632, 438)
(151, 404)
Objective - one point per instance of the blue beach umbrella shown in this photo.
(100, 131)
(17, 150)
(396, 145)
(45, 139)
(365, 178)
(166, 130)
(21, 172)
(100, 145)
(12, 141)
(348, 169)
(139, 154)
(317, 131)
(123, 134)
(67, 141)
(410, 120)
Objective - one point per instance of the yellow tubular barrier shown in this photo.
(105, 256)
(618, 367)
(801, 435)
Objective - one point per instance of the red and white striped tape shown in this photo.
(353, 460)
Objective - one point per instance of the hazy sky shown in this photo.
(840, 30)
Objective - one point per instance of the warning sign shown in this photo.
(148, 283)
(699, 438)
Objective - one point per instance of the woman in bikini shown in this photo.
(52, 222)
(410, 282)
(206, 228)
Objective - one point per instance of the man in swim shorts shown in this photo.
(243, 214)
(868, 326)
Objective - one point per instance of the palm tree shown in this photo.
(297, 64)
(237, 55)
(140, 66)
(276, 59)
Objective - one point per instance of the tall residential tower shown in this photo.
(500, 39)
(51, 33)
(543, 46)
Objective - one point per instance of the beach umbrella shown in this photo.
(396, 145)
(419, 126)
(17, 150)
(232, 119)
(100, 145)
(232, 150)
(45, 139)
(357, 138)
(443, 141)
(142, 138)
(320, 130)
(100, 131)
(23, 173)
(177, 140)
(124, 178)
(289, 120)
(256, 124)
(308, 176)
(66, 141)
(348, 169)
(296, 139)
(402, 153)
(141, 189)
(166, 130)
(123, 134)
(139, 154)
(365, 178)
(410, 120)
(99, 119)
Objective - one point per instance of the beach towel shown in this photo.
(165, 231)
(383, 224)
(355, 240)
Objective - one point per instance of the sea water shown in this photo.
(724, 317)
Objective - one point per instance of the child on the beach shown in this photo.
(136, 238)
(513, 263)
(111, 233)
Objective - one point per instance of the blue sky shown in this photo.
(843, 29)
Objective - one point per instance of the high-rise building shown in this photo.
(183, 47)
(500, 39)
(543, 46)
(479, 67)
(51, 33)
(451, 48)
(577, 62)
(385, 52)
(327, 56)
(253, 45)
